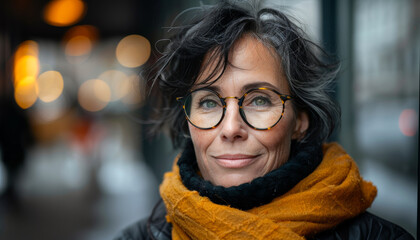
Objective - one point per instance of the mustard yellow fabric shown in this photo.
(331, 194)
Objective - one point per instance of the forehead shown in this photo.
(252, 49)
(250, 62)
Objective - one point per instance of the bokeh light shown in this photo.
(79, 40)
(26, 62)
(135, 94)
(78, 46)
(25, 70)
(50, 86)
(94, 95)
(118, 83)
(133, 51)
(26, 66)
(88, 31)
(62, 13)
(28, 47)
(26, 92)
(408, 122)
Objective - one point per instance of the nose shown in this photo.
(233, 128)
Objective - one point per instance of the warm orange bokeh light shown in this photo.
(408, 122)
(79, 40)
(26, 66)
(50, 86)
(25, 70)
(26, 62)
(26, 92)
(133, 51)
(78, 46)
(62, 13)
(88, 31)
(27, 48)
(118, 83)
(94, 95)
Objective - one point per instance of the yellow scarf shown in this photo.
(331, 194)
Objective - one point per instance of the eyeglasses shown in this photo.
(260, 108)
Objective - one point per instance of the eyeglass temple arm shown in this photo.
(285, 97)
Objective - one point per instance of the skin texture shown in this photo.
(233, 153)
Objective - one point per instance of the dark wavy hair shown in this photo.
(214, 30)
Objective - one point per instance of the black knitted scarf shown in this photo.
(304, 158)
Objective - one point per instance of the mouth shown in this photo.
(235, 160)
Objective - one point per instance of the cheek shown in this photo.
(277, 141)
(201, 139)
(281, 133)
(195, 134)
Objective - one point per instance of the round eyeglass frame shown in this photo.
(283, 98)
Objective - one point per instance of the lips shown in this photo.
(235, 160)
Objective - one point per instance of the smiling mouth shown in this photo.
(235, 160)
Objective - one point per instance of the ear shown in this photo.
(302, 124)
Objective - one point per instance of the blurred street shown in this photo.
(95, 209)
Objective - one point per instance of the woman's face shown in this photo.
(234, 153)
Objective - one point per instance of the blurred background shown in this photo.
(75, 160)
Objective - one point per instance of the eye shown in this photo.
(260, 101)
(209, 104)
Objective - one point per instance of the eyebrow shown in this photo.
(246, 87)
(258, 85)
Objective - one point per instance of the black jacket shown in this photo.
(366, 226)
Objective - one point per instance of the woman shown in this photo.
(245, 94)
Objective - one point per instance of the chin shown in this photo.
(232, 180)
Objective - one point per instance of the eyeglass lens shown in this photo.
(261, 108)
